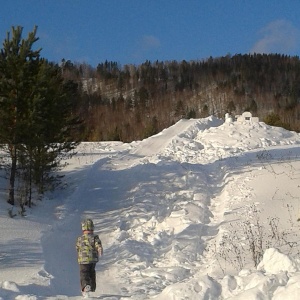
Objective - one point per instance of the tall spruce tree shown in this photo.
(35, 113)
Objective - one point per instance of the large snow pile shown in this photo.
(202, 210)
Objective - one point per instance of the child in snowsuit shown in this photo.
(89, 248)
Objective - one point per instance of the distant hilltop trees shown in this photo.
(133, 102)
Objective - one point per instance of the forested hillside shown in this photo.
(133, 102)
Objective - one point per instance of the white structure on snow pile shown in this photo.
(247, 117)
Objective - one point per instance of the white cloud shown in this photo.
(145, 46)
(279, 36)
(149, 42)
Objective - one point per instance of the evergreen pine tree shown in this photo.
(35, 113)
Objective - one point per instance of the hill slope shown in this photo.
(166, 209)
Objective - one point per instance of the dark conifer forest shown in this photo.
(132, 102)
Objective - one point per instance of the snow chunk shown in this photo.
(10, 286)
(275, 262)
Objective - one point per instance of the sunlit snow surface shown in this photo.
(174, 213)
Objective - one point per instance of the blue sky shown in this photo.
(133, 31)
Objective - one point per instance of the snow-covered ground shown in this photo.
(203, 210)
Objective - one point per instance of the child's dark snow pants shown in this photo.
(88, 276)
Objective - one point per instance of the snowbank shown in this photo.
(177, 214)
